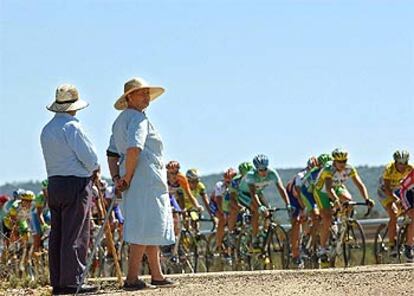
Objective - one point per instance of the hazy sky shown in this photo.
(284, 78)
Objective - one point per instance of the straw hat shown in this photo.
(134, 84)
(67, 99)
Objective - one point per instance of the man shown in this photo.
(389, 192)
(221, 199)
(330, 187)
(407, 201)
(297, 218)
(71, 161)
(251, 192)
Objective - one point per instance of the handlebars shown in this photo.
(354, 203)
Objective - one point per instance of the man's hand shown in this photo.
(370, 202)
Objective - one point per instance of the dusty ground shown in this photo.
(368, 280)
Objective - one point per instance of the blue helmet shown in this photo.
(18, 192)
(261, 162)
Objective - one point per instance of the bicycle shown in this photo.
(274, 252)
(347, 245)
(190, 254)
(382, 251)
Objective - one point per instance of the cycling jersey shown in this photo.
(179, 188)
(307, 188)
(17, 215)
(338, 177)
(222, 189)
(235, 184)
(40, 200)
(199, 190)
(407, 191)
(253, 178)
(394, 177)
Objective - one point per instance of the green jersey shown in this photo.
(253, 178)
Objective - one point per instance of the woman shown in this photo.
(135, 158)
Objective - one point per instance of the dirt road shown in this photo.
(367, 280)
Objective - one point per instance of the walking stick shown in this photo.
(110, 242)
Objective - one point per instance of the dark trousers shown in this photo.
(69, 203)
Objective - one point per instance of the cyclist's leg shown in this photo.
(323, 202)
(246, 200)
(409, 207)
(390, 207)
(176, 214)
(36, 230)
(295, 221)
(313, 210)
(234, 211)
(220, 228)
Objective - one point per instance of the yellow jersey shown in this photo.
(393, 176)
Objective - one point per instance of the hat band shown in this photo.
(67, 102)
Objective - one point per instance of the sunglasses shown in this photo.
(341, 161)
(262, 170)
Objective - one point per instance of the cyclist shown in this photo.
(307, 188)
(198, 189)
(17, 220)
(251, 192)
(3, 200)
(389, 192)
(407, 201)
(244, 168)
(221, 201)
(293, 190)
(39, 215)
(330, 187)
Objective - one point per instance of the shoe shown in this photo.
(69, 290)
(408, 254)
(165, 283)
(139, 285)
(298, 263)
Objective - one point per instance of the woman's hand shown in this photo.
(122, 184)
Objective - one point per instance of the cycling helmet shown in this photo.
(27, 195)
(245, 167)
(193, 175)
(45, 183)
(17, 193)
(4, 198)
(229, 174)
(324, 158)
(261, 162)
(340, 154)
(312, 162)
(173, 165)
(401, 156)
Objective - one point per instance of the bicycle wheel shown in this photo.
(401, 242)
(308, 251)
(381, 250)
(201, 251)
(278, 248)
(186, 252)
(242, 255)
(353, 244)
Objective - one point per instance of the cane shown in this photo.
(98, 239)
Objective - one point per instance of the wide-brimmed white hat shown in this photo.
(67, 99)
(134, 84)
